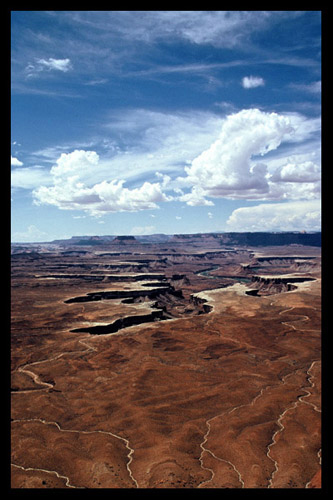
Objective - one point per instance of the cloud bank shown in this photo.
(252, 157)
(289, 216)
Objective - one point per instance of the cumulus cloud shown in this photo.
(225, 168)
(68, 192)
(234, 166)
(196, 197)
(76, 161)
(289, 216)
(307, 171)
(15, 162)
(251, 82)
(235, 157)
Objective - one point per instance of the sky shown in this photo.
(145, 122)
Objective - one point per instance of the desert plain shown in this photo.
(187, 362)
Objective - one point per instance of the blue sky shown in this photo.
(143, 122)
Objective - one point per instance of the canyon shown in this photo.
(184, 361)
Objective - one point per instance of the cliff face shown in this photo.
(231, 238)
(254, 239)
(270, 285)
(123, 240)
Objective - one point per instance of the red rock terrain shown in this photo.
(215, 388)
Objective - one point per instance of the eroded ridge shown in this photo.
(28, 469)
(279, 431)
(74, 431)
(204, 449)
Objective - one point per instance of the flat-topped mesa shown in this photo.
(277, 280)
(267, 285)
(123, 240)
(251, 238)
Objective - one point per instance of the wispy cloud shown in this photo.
(30, 177)
(313, 88)
(118, 41)
(219, 28)
(51, 64)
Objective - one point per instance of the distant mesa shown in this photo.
(98, 240)
(93, 240)
(252, 238)
(215, 239)
(123, 240)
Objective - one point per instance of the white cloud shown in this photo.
(305, 129)
(313, 88)
(307, 171)
(196, 197)
(30, 177)
(289, 216)
(77, 161)
(68, 192)
(251, 82)
(55, 64)
(145, 143)
(219, 28)
(233, 165)
(15, 162)
(51, 64)
(178, 217)
(237, 157)
(225, 168)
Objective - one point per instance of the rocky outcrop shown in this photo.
(268, 285)
(197, 301)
